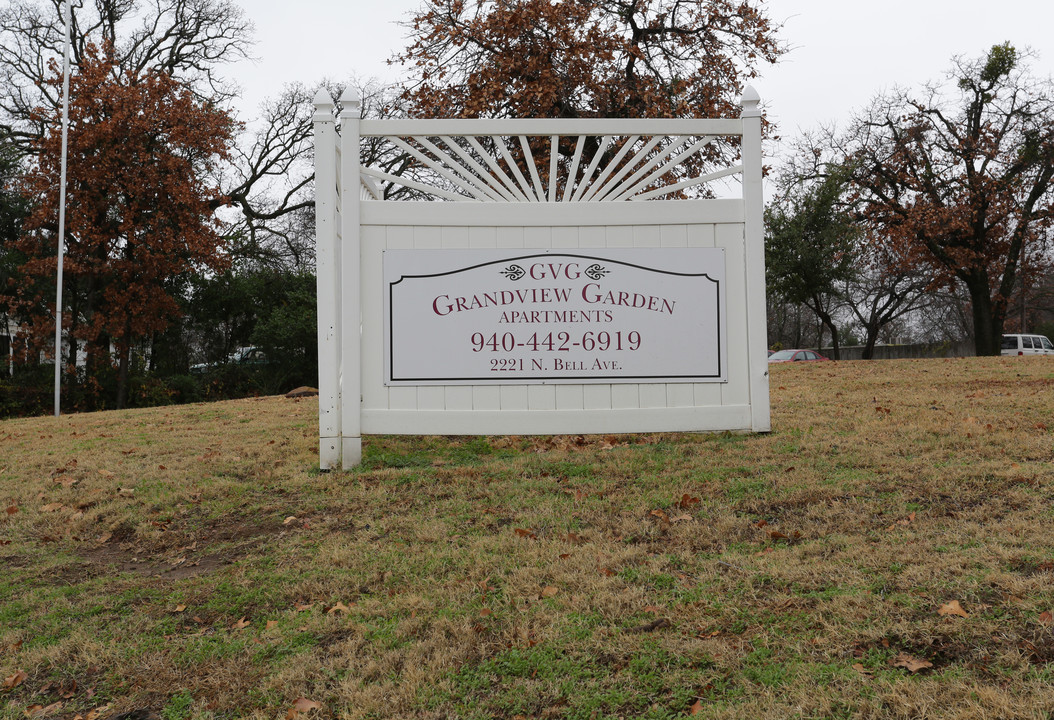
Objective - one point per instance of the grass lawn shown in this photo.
(886, 552)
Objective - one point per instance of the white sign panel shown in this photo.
(550, 316)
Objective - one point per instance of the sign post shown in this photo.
(62, 212)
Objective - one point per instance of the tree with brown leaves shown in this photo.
(140, 208)
(961, 183)
(585, 58)
(188, 40)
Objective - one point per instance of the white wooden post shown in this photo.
(327, 271)
(754, 231)
(351, 283)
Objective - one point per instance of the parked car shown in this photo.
(1020, 344)
(246, 356)
(795, 356)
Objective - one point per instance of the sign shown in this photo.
(551, 316)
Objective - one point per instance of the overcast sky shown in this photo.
(843, 52)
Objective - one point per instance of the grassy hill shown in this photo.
(886, 552)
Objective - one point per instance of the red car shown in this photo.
(794, 356)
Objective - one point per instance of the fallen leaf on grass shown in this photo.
(126, 492)
(687, 501)
(862, 670)
(302, 607)
(339, 607)
(92, 714)
(52, 507)
(952, 608)
(241, 624)
(911, 664)
(12, 509)
(302, 705)
(15, 680)
(35, 711)
(548, 591)
(180, 608)
(66, 482)
(271, 624)
(525, 533)
(652, 609)
(696, 708)
(485, 612)
(106, 473)
(661, 515)
(1046, 617)
(289, 520)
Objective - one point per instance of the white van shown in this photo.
(1027, 345)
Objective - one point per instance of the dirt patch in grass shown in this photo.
(179, 551)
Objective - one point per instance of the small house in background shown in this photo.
(14, 349)
(8, 332)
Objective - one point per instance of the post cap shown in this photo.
(750, 102)
(322, 98)
(323, 106)
(350, 102)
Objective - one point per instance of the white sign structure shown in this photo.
(536, 277)
(502, 316)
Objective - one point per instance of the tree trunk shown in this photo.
(872, 331)
(987, 318)
(828, 321)
(125, 349)
(835, 351)
(797, 325)
(122, 378)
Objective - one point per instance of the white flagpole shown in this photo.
(62, 211)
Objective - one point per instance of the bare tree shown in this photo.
(881, 293)
(272, 179)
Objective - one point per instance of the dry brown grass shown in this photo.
(150, 561)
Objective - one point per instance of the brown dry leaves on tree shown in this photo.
(592, 58)
(589, 58)
(961, 186)
(140, 211)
